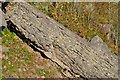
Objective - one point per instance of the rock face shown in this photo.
(2, 20)
(75, 55)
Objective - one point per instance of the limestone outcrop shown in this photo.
(77, 56)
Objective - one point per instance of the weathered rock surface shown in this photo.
(75, 55)
(2, 19)
(99, 45)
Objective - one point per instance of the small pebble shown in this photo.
(42, 76)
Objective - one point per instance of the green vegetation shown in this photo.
(41, 72)
(83, 18)
(19, 60)
(1, 76)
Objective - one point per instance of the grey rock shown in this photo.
(2, 20)
(71, 52)
(98, 44)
